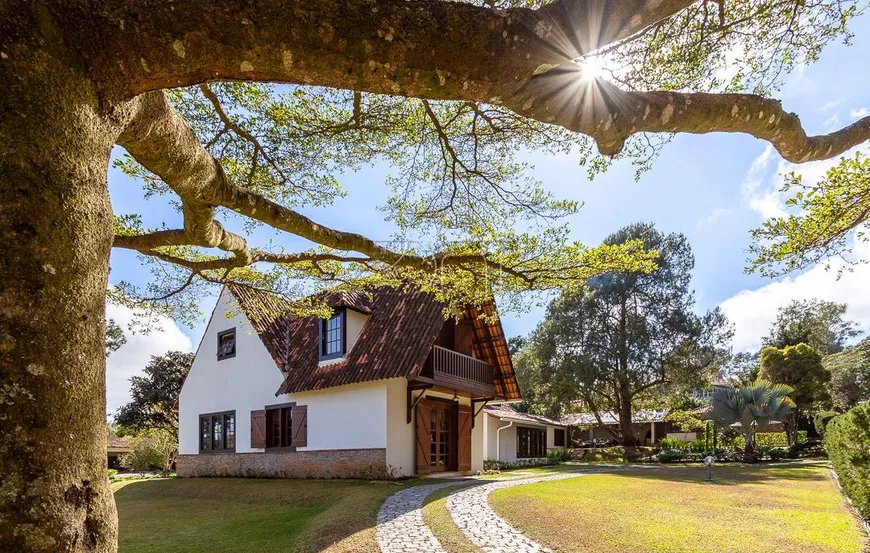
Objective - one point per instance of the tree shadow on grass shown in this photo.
(729, 474)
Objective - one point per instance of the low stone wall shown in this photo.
(370, 464)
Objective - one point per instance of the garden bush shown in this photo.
(697, 446)
(558, 455)
(771, 439)
(847, 441)
(112, 473)
(493, 465)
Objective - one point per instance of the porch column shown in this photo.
(653, 432)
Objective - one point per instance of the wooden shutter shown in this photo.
(424, 419)
(258, 429)
(464, 446)
(299, 414)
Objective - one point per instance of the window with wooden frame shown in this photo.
(333, 334)
(531, 442)
(226, 344)
(559, 437)
(217, 432)
(286, 426)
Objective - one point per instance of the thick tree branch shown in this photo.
(161, 141)
(520, 58)
(423, 48)
(611, 115)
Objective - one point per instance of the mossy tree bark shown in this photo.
(55, 236)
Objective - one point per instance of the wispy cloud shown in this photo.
(753, 311)
(715, 216)
(860, 112)
(132, 357)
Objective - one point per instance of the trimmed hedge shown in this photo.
(771, 439)
(847, 440)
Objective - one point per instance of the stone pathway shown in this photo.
(400, 521)
(471, 512)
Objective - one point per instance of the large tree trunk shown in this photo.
(55, 236)
(625, 427)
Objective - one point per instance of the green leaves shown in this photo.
(828, 213)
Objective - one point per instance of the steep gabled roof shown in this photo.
(395, 342)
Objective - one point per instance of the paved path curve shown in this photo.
(400, 521)
(471, 512)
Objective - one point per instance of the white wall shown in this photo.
(346, 417)
(507, 438)
(401, 452)
(244, 383)
(355, 323)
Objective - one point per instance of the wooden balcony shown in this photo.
(453, 370)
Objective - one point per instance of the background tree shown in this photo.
(447, 91)
(820, 324)
(625, 337)
(850, 375)
(754, 406)
(154, 395)
(151, 450)
(742, 368)
(799, 367)
(115, 337)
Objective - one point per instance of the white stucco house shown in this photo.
(384, 388)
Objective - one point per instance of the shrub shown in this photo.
(670, 456)
(145, 455)
(493, 465)
(847, 440)
(821, 420)
(697, 446)
(112, 473)
(771, 439)
(558, 455)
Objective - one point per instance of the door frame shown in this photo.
(452, 408)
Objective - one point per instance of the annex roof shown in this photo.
(641, 416)
(507, 412)
(395, 341)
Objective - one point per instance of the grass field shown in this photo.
(746, 509)
(250, 516)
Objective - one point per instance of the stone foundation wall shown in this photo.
(367, 464)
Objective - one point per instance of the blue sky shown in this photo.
(712, 188)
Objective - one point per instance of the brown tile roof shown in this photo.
(507, 412)
(114, 442)
(394, 342)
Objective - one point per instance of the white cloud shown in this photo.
(753, 311)
(132, 357)
(714, 217)
(830, 104)
(860, 112)
(833, 123)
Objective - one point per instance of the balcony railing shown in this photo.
(454, 369)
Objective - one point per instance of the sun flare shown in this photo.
(592, 67)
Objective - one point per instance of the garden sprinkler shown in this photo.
(709, 461)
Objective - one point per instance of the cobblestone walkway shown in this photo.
(400, 521)
(471, 512)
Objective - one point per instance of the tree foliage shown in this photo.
(818, 323)
(847, 441)
(625, 338)
(115, 337)
(799, 367)
(754, 406)
(153, 396)
(826, 215)
(850, 375)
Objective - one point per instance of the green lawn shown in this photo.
(746, 509)
(250, 516)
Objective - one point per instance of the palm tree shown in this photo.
(754, 406)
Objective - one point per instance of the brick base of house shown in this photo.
(370, 464)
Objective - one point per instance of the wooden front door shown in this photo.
(436, 436)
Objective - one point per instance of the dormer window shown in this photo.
(333, 334)
(226, 346)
